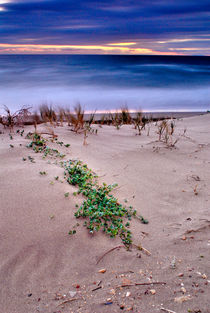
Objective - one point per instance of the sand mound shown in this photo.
(43, 269)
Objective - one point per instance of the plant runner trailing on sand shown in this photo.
(102, 209)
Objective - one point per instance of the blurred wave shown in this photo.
(106, 82)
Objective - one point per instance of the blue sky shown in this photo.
(105, 27)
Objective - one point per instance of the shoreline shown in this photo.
(152, 115)
(107, 117)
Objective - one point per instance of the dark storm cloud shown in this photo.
(94, 22)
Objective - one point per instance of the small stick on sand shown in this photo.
(166, 310)
(146, 251)
(66, 301)
(141, 284)
(85, 138)
(118, 247)
(122, 246)
(139, 247)
(96, 288)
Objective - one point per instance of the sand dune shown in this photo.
(40, 263)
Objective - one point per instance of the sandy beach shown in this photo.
(44, 269)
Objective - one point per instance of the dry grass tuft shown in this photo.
(48, 114)
(165, 131)
(140, 122)
(18, 118)
(61, 116)
(125, 115)
(67, 115)
(77, 118)
(36, 120)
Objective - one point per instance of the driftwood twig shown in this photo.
(68, 300)
(139, 247)
(96, 288)
(141, 284)
(118, 247)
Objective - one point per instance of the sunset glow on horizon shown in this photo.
(106, 27)
(71, 49)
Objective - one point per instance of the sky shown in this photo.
(152, 27)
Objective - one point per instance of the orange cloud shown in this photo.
(122, 44)
(190, 49)
(95, 49)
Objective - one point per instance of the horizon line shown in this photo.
(114, 54)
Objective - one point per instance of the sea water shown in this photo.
(106, 82)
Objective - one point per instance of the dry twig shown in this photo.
(139, 247)
(141, 284)
(96, 288)
(166, 310)
(67, 301)
(118, 247)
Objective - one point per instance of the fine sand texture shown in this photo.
(44, 269)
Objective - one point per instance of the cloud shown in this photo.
(184, 40)
(122, 44)
(189, 49)
(89, 22)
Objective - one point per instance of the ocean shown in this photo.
(106, 82)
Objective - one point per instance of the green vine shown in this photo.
(100, 208)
